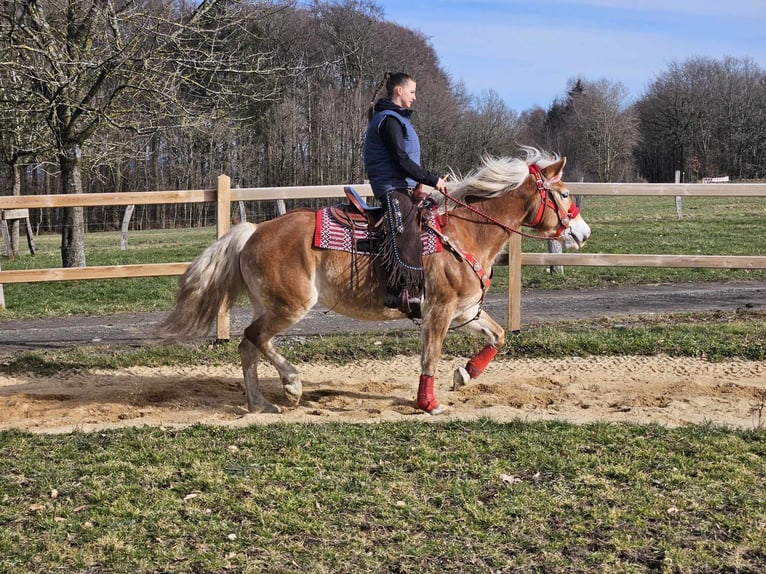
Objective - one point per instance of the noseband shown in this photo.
(551, 200)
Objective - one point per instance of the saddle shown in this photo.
(356, 227)
(356, 214)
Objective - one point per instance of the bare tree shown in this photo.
(532, 127)
(704, 117)
(20, 139)
(89, 65)
(489, 127)
(606, 130)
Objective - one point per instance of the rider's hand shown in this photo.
(441, 185)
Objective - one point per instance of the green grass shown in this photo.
(402, 497)
(711, 226)
(101, 296)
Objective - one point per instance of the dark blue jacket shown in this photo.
(392, 151)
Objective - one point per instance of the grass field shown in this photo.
(404, 497)
(711, 226)
(482, 496)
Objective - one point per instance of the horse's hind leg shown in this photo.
(494, 335)
(249, 356)
(257, 342)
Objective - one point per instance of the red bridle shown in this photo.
(543, 187)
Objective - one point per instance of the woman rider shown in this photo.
(392, 161)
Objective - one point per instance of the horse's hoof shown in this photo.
(293, 393)
(438, 410)
(460, 378)
(264, 408)
(430, 406)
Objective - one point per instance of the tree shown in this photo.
(594, 127)
(531, 129)
(20, 138)
(489, 127)
(605, 129)
(707, 115)
(96, 64)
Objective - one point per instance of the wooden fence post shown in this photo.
(242, 211)
(223, 225)
(554, 246)
(125, 226)
(2, 294)
(514, 283)
(11, 240)
(679, 211)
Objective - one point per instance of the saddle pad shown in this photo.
(330, 234)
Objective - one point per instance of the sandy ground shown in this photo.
(665, 390)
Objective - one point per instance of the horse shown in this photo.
(284, 275)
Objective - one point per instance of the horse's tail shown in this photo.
(213, 279)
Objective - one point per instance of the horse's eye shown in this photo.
(564, 194)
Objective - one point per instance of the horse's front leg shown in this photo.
(494, 335)
(434, 330)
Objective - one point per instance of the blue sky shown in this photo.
(526, 51)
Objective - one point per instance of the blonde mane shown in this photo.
(496, 176)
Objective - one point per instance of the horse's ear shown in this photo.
(554, 171)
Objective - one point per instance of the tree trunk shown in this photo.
(73, 219)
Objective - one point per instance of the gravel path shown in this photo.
(537, 307)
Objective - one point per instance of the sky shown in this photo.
(527, 51)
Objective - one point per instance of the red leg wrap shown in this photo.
(476, 366)
(426, 399)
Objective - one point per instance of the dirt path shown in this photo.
(660, 389)
(665, 390)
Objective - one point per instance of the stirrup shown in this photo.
(402, 301)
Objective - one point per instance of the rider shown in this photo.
(392, 160)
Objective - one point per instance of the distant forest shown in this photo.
(118, 95)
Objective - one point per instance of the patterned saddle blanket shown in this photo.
(344, 228)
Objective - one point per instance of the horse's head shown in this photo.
(555, 214)
(540, 199)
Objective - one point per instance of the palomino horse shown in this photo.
(285, 275)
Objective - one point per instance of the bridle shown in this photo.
(543, 187)
(547, 200)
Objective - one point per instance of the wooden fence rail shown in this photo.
(223, 196)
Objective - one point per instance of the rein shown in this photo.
(543, 186)
(546, 200)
